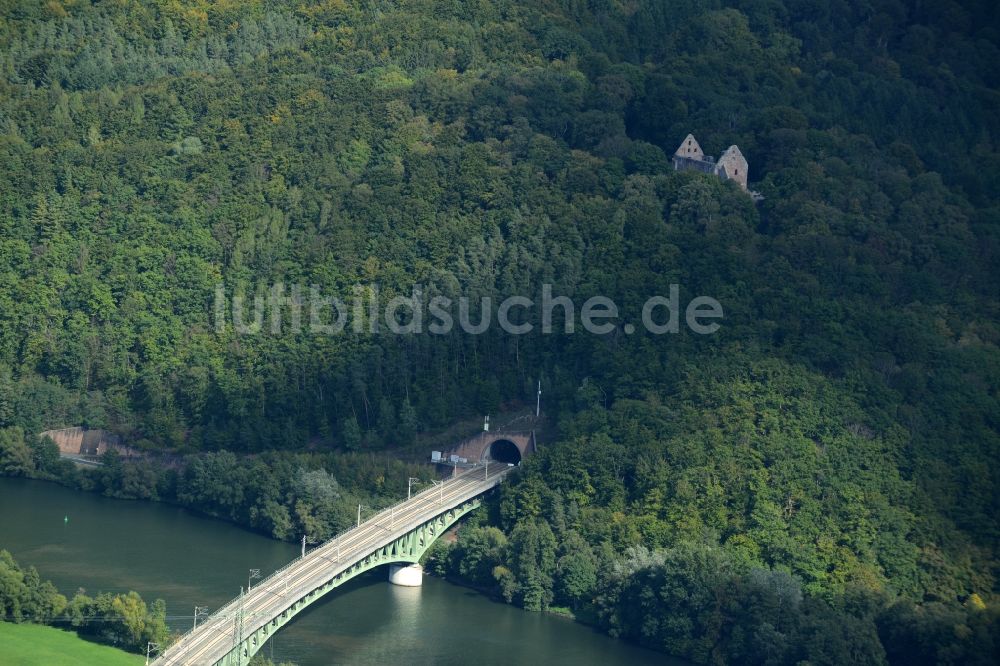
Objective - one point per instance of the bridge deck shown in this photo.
(217, 636)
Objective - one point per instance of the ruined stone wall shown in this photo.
(690, 149)
(733, 166)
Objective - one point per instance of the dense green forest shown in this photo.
(828, 460)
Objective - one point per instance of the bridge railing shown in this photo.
(388, 511)
(233, 604)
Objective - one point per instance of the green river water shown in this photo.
(170, 553)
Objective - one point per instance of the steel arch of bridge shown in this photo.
(406, 549)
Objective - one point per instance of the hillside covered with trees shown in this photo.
(818, 480)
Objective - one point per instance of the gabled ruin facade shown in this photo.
(730, 166)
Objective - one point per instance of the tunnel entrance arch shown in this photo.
(509, 446)
(504, 451)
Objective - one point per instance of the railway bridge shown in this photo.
(400, 534)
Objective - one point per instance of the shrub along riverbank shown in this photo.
(702, 602)
(575, 544)
(120, 620)
(281, 494)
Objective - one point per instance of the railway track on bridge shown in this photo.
(223, 638)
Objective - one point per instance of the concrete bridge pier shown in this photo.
(406, 575)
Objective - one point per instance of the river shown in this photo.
(78, 539)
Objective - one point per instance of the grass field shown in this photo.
(36, 645)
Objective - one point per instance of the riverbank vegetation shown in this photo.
(281, 494)
(121, 620)
(832, 448)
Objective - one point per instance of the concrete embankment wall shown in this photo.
(81, 441)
